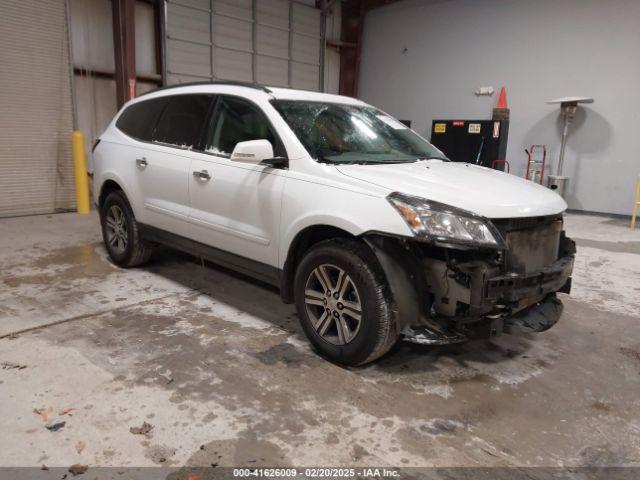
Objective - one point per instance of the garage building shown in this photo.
(185, 363)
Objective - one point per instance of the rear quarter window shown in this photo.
(139, 120)
(182, 120)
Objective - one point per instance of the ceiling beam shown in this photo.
(124, 42)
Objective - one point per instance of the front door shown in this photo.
(236, 206)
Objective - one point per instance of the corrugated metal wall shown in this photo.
(273, 42)
(332, 53)
(36, 169)
(93, 59)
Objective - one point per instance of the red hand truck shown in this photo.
(535, 166)
(495, 163)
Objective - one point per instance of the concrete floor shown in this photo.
(215, 360)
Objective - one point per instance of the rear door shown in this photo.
(162, 167)
(236, 206)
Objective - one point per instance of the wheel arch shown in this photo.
(301, 243)
(111, 182)
(107, 187)
(400, 267)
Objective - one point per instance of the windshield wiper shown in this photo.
(355, 162)
(362, 161)
(444, 159)
(373, 162)
(322, 159)
(393, 162)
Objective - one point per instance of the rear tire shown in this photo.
(121, 233)
(352, 321)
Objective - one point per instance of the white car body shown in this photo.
(278, 204)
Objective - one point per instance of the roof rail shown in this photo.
(257, 86)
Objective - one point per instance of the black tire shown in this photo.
(377, 329)
(135, 251)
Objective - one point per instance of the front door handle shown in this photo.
(202, 175)
(142, 162)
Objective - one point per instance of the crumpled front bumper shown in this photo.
(449, 296)
(514, 287)
(534, 307)
(536, 318)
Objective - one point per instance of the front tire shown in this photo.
(344, 302)
(121, 233)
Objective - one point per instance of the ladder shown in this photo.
(636, 204)
(535, 166)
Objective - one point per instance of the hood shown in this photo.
(484, 191)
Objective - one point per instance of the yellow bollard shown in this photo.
(80, 170)
(636, 203)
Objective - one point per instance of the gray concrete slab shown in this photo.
(221, 369)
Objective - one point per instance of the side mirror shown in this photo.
(252, 151)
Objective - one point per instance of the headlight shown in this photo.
(442, 223)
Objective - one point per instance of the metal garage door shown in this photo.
(273, 42)
(36, 174)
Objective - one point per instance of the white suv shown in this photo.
(368, 228)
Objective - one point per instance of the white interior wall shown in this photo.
(539, 50)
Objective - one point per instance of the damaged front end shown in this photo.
(452, 293)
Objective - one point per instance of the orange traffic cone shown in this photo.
(502, 99)
(501, 111)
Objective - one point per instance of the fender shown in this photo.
(405, 278)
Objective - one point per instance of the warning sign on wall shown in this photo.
(474, 128)
(496, 129)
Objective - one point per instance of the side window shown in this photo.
(138, 120)
(236, 121)
(182, 120)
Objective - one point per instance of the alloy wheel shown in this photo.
(116, 229)
(333, 304)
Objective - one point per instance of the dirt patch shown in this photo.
(442, 426)
(246, 451)
(283, 352)
(160, 454)
(332, 439)
(358, 452)
(209, 417)
(605, 456)
(60, 265)
(602, 406)
(631, 353)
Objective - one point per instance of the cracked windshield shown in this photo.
(340, 133)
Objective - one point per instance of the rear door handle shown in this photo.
(142, 162)
(202, 174)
